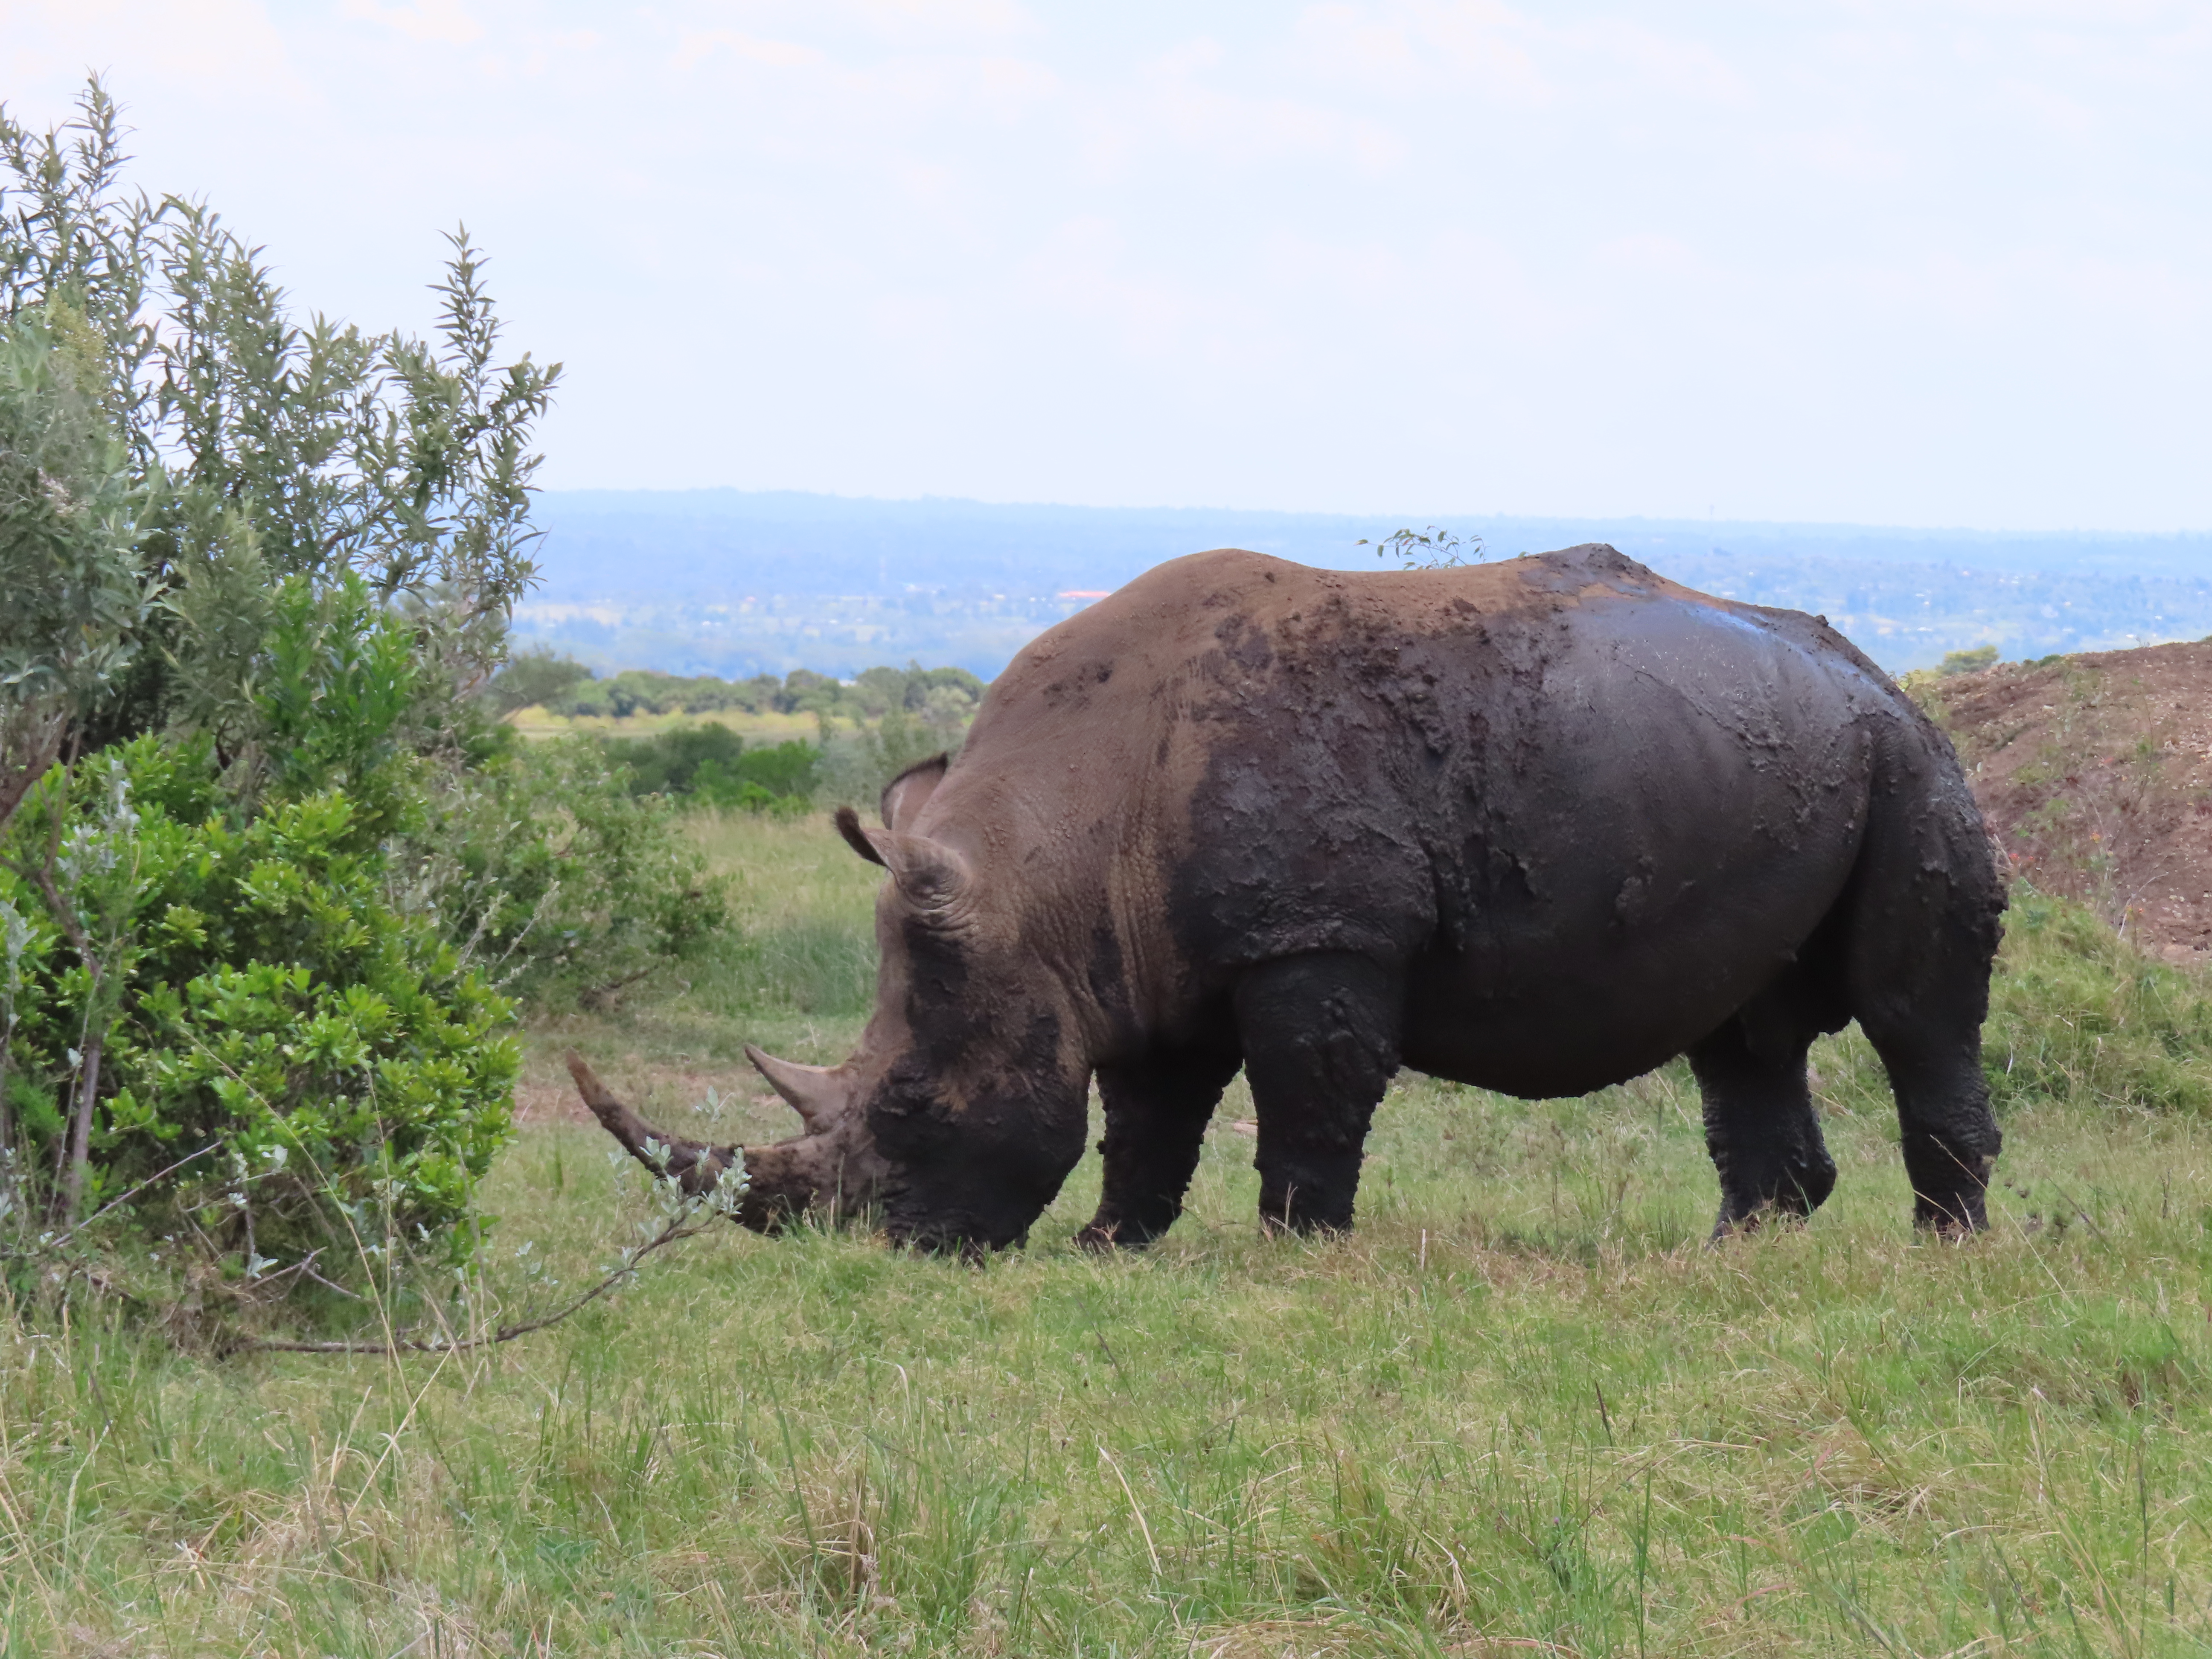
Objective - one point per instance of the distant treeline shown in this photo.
(563, 686)
(710, 766)
(896, 715)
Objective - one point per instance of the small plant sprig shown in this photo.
(1433, 548)
(674, 1215)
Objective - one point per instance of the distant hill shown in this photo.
(737, 583)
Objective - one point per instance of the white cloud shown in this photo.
(47, 46)
(1412, 48)
(441, 21)
(699, 45)
(989, 17)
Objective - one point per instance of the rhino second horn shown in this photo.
(816, 1093)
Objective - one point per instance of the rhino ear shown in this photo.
(930, 874)
(905, 795)
(857, 837)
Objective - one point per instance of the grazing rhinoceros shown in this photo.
(1536, 826)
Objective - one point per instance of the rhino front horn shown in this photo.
(696, 1165)
(816, 1093)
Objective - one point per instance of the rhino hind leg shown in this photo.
(1761, 1125)
(1319, 1033)
(1157, 1110)
(1925, 920)
(1931, 1044)
(1949, 1138)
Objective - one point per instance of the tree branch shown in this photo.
(670, 1234)
(52, 1244)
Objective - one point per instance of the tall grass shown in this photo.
(806, 939)
(1524, 1409)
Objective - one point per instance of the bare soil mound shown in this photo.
(2095, 772)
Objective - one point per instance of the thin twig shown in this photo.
(669, 1235)
(349, 1295)
(52, 1244)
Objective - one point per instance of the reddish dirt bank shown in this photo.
(2095, 772)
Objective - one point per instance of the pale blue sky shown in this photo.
(1934, 262)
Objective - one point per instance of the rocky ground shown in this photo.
(2095, 772)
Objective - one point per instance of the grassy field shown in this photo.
(1523, 1410)
(769, 728)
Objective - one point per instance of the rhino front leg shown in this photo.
(1157, 1110)
(1761, 1128)
(1321, 1044)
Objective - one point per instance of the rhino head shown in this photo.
(963, 1109)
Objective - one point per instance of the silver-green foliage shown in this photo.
(266, 446)
(70, 565)
(286, 547)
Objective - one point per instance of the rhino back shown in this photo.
(1558, 780)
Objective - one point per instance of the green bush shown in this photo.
(1968, 662)
(339, 695)
(667, 763)
(565, 884)
(782, 779)
(711, 765)
(531, 678)
(328, 1064)
(209, 967)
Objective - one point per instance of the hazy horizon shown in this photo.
(735, 582)
(1418, 520)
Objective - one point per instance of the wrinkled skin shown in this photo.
(1536, 826)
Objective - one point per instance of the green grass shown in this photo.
(1522, 1410)
(768, 727)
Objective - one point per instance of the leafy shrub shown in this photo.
(711, 765)
(787, 770)
(336, 698)
(727, 791)
(207, 962)
(1968, 662)
(667, 763)
(568, 885)
(531, 678)
(767, 779)
(328, 1065)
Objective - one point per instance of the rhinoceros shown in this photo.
(1538, 826)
